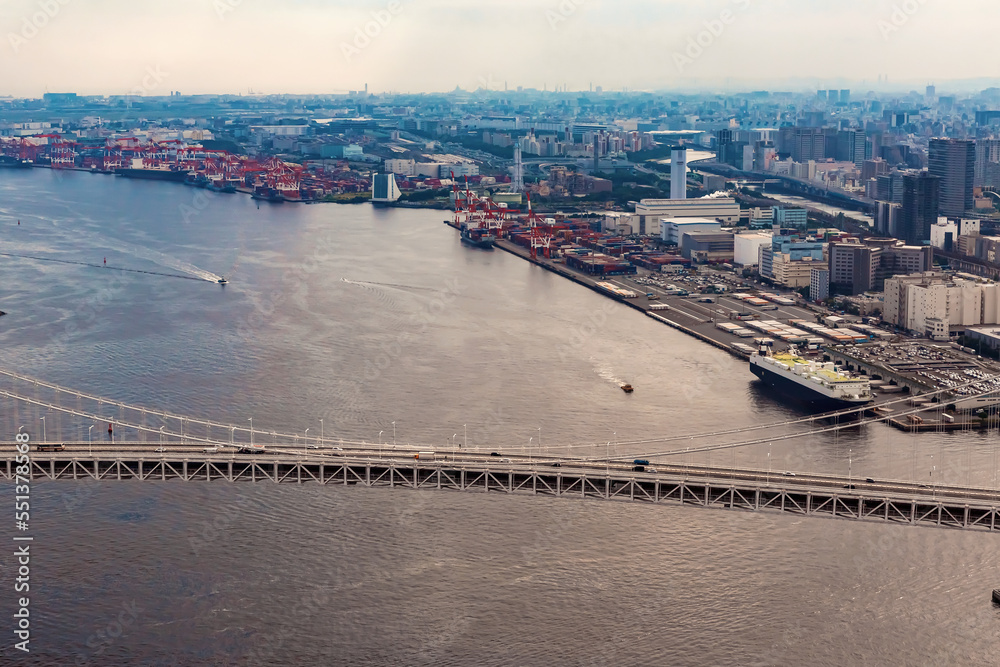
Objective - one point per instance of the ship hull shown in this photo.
(486, 244)
(800, 393)
(154, 174)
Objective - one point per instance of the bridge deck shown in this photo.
(917, 507)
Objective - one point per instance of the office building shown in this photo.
(889, 187)
(789, 217)
(954, 162)
(933, 304)
(945, 232)
(864, 267)
(851, 146)
(987, 159)
(789, 259)
(873, 168)
(920, 207)
(819, 284)
(887, 218)
(803, 143)
(384, 188)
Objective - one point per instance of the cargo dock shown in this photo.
(739, 320)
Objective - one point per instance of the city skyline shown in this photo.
(230, 46)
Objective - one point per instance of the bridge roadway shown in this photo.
(755, 490)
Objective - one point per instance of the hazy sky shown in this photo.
(317, 46)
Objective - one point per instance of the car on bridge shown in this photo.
(50, 447)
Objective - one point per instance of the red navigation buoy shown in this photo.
(105, 261)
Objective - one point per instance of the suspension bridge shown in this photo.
(149, 444)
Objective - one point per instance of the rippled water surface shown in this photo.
(364, 317)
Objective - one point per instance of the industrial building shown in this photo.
(746, 247)
(708, 247)
(720, 208)
(672, 230)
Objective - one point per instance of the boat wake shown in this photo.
(406, 287)
(162, 259)
(607, 374)
(101, 266)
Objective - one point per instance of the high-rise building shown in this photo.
(872, 168)
(889, 187)
(803, 143)
(819, 284)
(862, 267)
(851, 146)
(987, 153)
(954, 162)
(887, 217)
(920, 207)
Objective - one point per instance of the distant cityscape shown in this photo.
(879, 204)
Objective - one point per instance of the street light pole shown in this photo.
(44, 439)
(90, 439)
(251, 431)
(161, 434)
(305, 442)
(769, 464)
(850, 475)
(322, 433)
(393, 434)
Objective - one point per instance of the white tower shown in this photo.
(517, 182)
(678, 173)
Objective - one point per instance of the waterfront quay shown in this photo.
(719, 317)
(805, 494)
(684, 313)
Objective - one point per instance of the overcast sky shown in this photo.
(319, 46)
